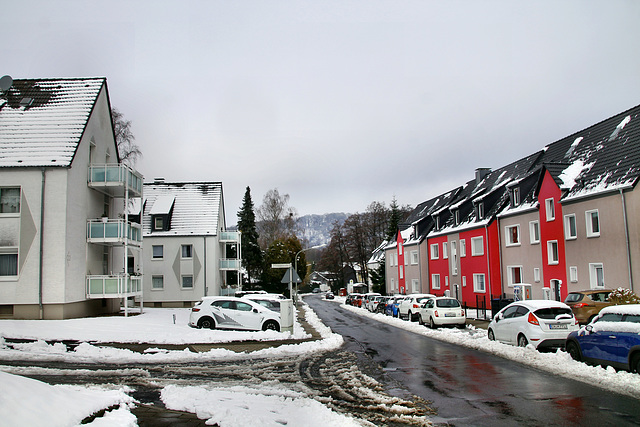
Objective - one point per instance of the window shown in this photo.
(536, 275)
(393, 284)
(512, 235)
(550, 209)
(9, 262)
(477, 246)
(437, 223)
(406, 260)
(464, 281)
(552, 252)
(478, 283)
(570, 230)
(10, 200)
(243, 306)
(158, 251)
(534, 232)
(514, 274)
(445, 250)
(446, 281)
(573, 274)
(456, 217)
(480, 211)
(157, 282)
(399, 249)
(435, 281)
(515, 197)
(187, 281)
(415, 285)
(401, 272)
(414, 257)
(593, 223)
(435, 253)
(596, 275)
(454, 258)
(158, 223)
(187, 251)
(463, 248)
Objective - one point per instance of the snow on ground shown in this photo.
(24, 401)
(559, 363)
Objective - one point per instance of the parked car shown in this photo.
(351, 299)
(587, 304)
(368, 298)
(329, 295)
(372, 305)
(233, 313)
(382, 304)
(392, 306)
(541, 323)
(357, 300)
(611, 339)
(410, 306)
(440, 311)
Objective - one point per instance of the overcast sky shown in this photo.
(337, 103)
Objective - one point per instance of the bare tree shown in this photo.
(128, 150)
(276, 220)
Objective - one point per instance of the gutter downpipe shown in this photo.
(486, 234)
(626, 236)
(41, 260)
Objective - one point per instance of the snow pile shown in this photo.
(27, 402)
(244, 406)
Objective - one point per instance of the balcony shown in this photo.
(229, 236)
(114, 286)
(114, 232)
(230, 264)
(114, 179)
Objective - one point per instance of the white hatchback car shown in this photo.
(410, 306)
(541, 323)
(233, 313)
(441, 311)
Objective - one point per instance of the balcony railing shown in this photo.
(229, 236)
(230, 264)
(114, 231)
(114, 178)
(114, 286)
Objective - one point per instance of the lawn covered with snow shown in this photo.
(24, 401)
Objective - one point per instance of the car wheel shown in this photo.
(432, 324)
(522, 341)
(491, 335)
(206, 323)
(420, 321)
(271, 325)
(411, 317)
(574, 351)
(635, 363)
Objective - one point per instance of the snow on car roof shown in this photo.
(622, 309)
(542, 303)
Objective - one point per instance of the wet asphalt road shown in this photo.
(469, 387)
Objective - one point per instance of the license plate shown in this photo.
(449, 315)
(557, 326)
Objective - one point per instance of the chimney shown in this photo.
(158, 180)
(481, 173)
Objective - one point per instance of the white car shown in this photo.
(367, 298)
(441, 311)
(233, 313)
(541, 323)
(372, 306)
(410, 306)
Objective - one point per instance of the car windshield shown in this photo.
(447, 303)
(552, 312)
(574, 297)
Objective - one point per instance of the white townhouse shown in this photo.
(65, 238)
(188, 253)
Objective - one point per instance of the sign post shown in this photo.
(286, 265)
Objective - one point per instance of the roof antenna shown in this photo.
(5, 83)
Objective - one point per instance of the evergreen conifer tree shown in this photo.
(251, 253)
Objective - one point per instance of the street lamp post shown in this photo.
(296, 270)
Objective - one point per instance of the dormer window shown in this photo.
(437, 223)
(480, 211)
(515, 197)
(456, 217)
(158, 223)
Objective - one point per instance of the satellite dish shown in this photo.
(5, 83)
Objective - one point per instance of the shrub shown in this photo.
(623, 296)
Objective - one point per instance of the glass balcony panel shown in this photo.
(95, 286)
(112, 230)
(96, 230)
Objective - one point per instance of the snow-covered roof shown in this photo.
(42, 120)
(196, 208)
